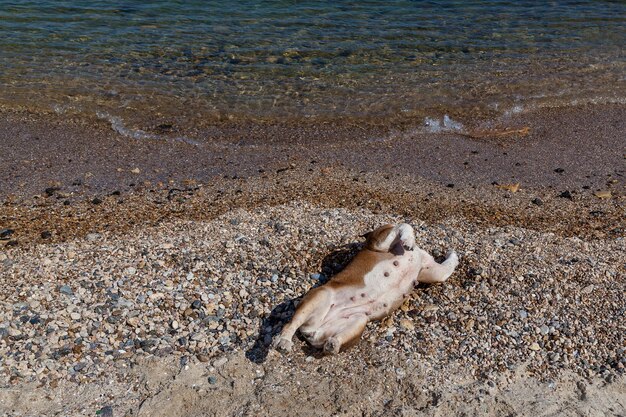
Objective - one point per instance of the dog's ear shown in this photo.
(366, 235)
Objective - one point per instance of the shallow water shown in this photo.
(190, 63)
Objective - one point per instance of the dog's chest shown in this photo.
(385, 286)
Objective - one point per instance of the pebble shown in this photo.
(130, 295)
(407, 324)
(588, 289)
(5, 233)
(220, 362)
(202, 358)
(212, 380)
(566, 194)
(65, 289)
(106, 411)
(92, 237)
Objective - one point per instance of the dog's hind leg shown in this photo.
(313, 307)
(433, 272)
(347, 335)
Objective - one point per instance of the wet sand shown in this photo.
(566, 149)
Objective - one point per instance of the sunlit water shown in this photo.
(192, 63)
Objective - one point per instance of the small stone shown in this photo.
(523, 314)
(135, 170)
(544, 329)
(588, 289)
(96, 201)
(476, 271)
(537, 201)
(407, 324)
(274, 278)
(79, 366)
(197, 304)
(174, 325)
(534, 347)
(317, 277)
(202, 357)
(566, 194)
(559, 170)
(309, 359)
(582, 388)
(220, 362)
(130, 271)
(14, 332)
(5, 233)
(106, 411)
(212, 380)
(46, 234)
(51, 190)
(75, 316)
(91, 237)
(65, 289)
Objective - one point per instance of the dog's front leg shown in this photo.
(433, 272)
(316, 302)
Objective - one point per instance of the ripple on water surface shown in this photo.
(198, 62)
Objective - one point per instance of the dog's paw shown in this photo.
(332, 346)
(408, 242)
(282, 345)
(453, 258)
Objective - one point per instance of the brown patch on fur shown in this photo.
(353, 274)
(375, 238)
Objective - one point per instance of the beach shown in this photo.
(176, 176)
(149, 276)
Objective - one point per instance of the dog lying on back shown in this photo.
(372, 286)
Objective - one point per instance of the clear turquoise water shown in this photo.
(196, 62)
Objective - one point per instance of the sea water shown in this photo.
(150, 65)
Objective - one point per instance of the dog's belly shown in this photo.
(385, 288)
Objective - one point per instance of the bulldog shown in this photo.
(372, 286)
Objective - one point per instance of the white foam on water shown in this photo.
(117, 124)
(446, 124)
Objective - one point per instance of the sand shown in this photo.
(271, 210)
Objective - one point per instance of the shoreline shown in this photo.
(575, 147)
(102, 270)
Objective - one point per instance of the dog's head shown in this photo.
(376, 236)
